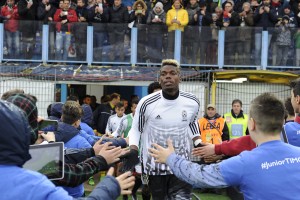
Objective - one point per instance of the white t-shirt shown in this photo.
(157, 119)
(113, 123)
(122, 126)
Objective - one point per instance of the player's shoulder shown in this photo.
(189, 96)
(151, 97)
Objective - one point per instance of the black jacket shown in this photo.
(101, 115)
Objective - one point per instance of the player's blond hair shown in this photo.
(172, 62)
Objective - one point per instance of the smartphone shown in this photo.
(48, 125)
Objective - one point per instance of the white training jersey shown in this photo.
(157, 119)
(113, 123)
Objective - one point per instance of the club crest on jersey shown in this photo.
(158, 117)
(184, 116)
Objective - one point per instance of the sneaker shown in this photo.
(91, 181)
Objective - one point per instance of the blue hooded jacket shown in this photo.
(56, 111)
(70, 136)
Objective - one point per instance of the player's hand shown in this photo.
(161, 154)
(129, 160)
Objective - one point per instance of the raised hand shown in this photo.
(161, 154)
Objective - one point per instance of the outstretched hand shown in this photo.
(110, 153)
(205, 150)
(126, 181)
(161, 154)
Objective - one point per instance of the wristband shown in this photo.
(198, 141)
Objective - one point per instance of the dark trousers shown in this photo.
(165, 187)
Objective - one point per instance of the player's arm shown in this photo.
(204, 176)
(134, 135)
(194, 130)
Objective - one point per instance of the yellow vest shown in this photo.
(237, 126)
(209, 133)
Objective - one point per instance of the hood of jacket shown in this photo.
(28, 105)
(15, 135)
(87, 114)
(65, 132)
(56, 110)
(134, 7)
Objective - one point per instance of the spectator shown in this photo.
(86, 99)
(287, 11)
(45, 13)
(56, 111)
(80, 33)
(87, 119)
(265, 17)
(104, 111)
(191, 33)
(177, 19)
(154, 87)
(98, 15)
(64, 18)
(68, 133)
(94, 105)
(297, 46)
(27, 12)
(11, 27)
(213, 44)
(105, 98)
(139, 18)
(230, 19)
(118, 21)
(156, 30)
(283, 40)
(204, 20)
(245, 35)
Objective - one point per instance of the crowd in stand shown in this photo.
(157, 20)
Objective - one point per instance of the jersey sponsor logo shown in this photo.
(158, 117)
(184, 116)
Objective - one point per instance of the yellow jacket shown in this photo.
(181, 15)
